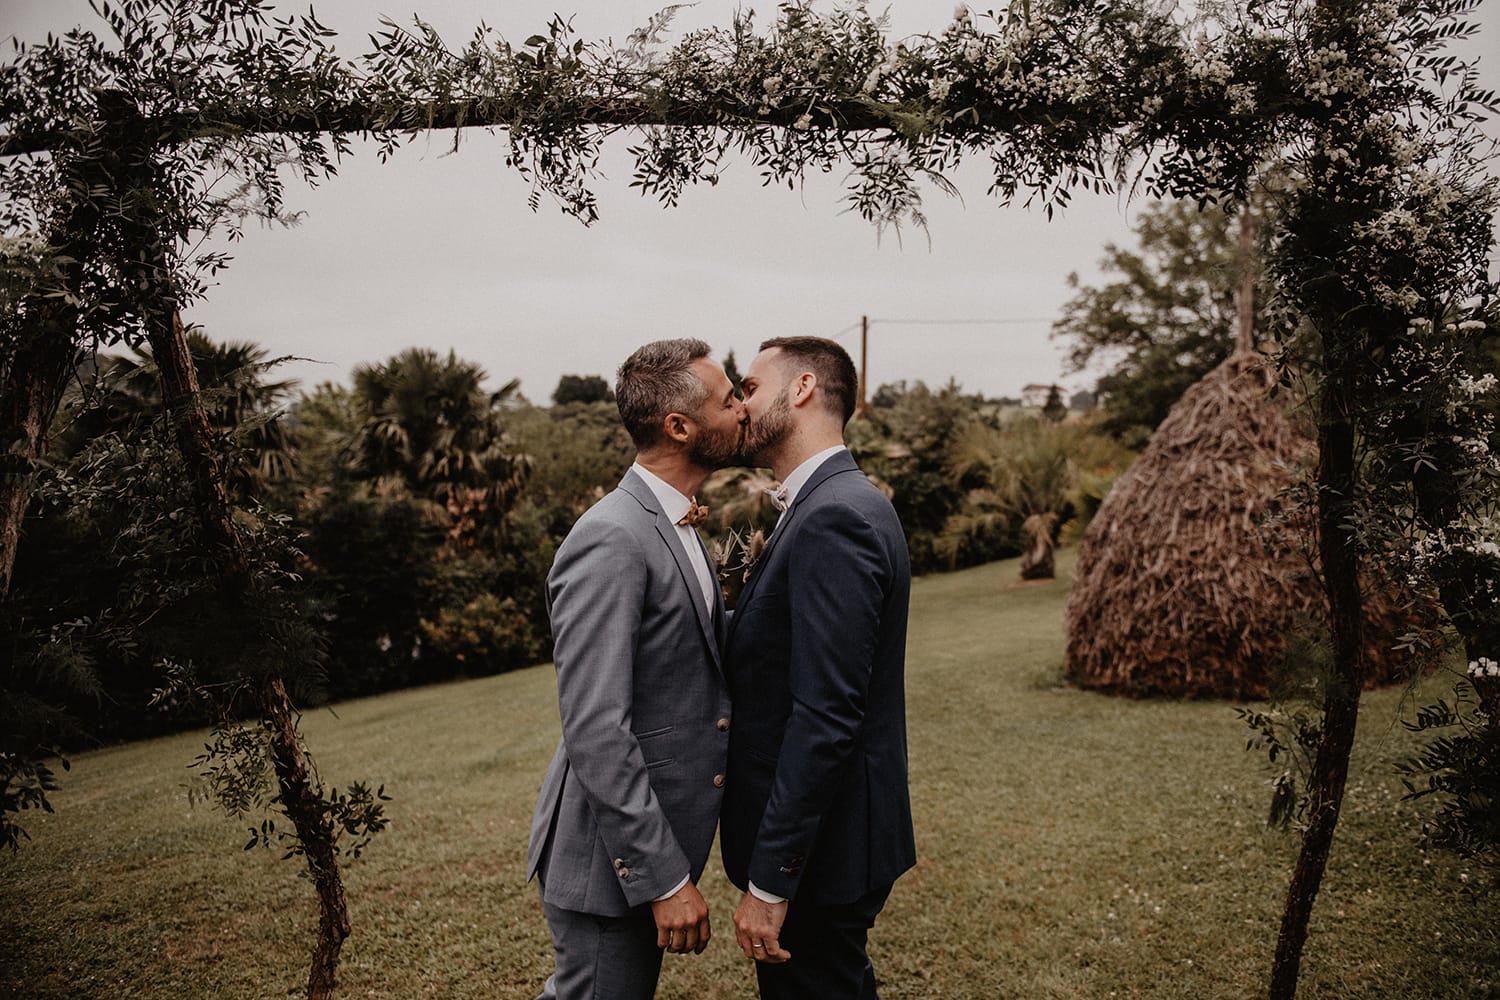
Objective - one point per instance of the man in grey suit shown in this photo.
(627, 810)
(817, 821)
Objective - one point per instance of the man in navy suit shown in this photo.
(816, 823)
(625, 820)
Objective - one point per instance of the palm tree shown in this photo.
(1029, 480)
(239, 400)
(118, 393)
(429, 431)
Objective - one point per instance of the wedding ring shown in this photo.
(757, 946)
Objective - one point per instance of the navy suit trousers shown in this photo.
(829, 960)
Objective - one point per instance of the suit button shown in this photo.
(624, 872)
(718, 781)
(723, 725)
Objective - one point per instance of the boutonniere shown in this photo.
(734, 557)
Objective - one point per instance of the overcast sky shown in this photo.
(440, 250)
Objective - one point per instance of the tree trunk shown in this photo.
(33, 386)
(1037, 562)
(1340, 562)
(46, 352)
(183, 406)
(193, 433)
(1244, 298)
(315, 831)
(301, 801)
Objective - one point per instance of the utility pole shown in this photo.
(864, 349)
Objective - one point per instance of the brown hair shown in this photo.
(828, 361)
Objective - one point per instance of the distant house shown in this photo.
(1036, 394)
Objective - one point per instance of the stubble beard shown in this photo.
(715, 450)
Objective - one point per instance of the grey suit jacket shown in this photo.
(630, 802)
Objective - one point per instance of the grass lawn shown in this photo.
(1071, 845)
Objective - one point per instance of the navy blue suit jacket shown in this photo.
(816, 807)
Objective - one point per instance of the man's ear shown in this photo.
(675, 427)
(803, 387)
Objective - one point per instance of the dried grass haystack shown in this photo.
(1182, 588)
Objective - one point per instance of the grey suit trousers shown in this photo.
(602, 958)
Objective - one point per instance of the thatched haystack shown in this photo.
(1181, 590)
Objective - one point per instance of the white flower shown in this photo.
(1476, 387)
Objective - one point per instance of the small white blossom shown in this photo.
(1241, 99)
(1476, 387)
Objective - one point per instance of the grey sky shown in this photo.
(440, 250)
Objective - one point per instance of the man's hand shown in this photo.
(757, 928)
(682, 921)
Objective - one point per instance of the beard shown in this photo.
(764, 434)
(717, 449)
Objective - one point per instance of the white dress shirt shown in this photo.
(675, 505)
(798, 477)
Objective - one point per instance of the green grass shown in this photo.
(1072, 845)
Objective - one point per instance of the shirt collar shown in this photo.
(801, 474)
(673, 503)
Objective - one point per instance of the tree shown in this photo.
(1025, 481)
(1382, 259)
(1054, 409)
(429, 430)
(409, 519)
(1167, 320)
(100, 219)
(732, 370)
(240, 403)
(907, 444)
(582, 389)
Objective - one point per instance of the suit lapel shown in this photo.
(838, 462)
(636, 487)
(717, 617)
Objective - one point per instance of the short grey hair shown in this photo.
(657, 380)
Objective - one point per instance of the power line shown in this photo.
(866, 322)
(964, 322)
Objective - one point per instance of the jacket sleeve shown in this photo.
(836, 602)
(596, 592)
